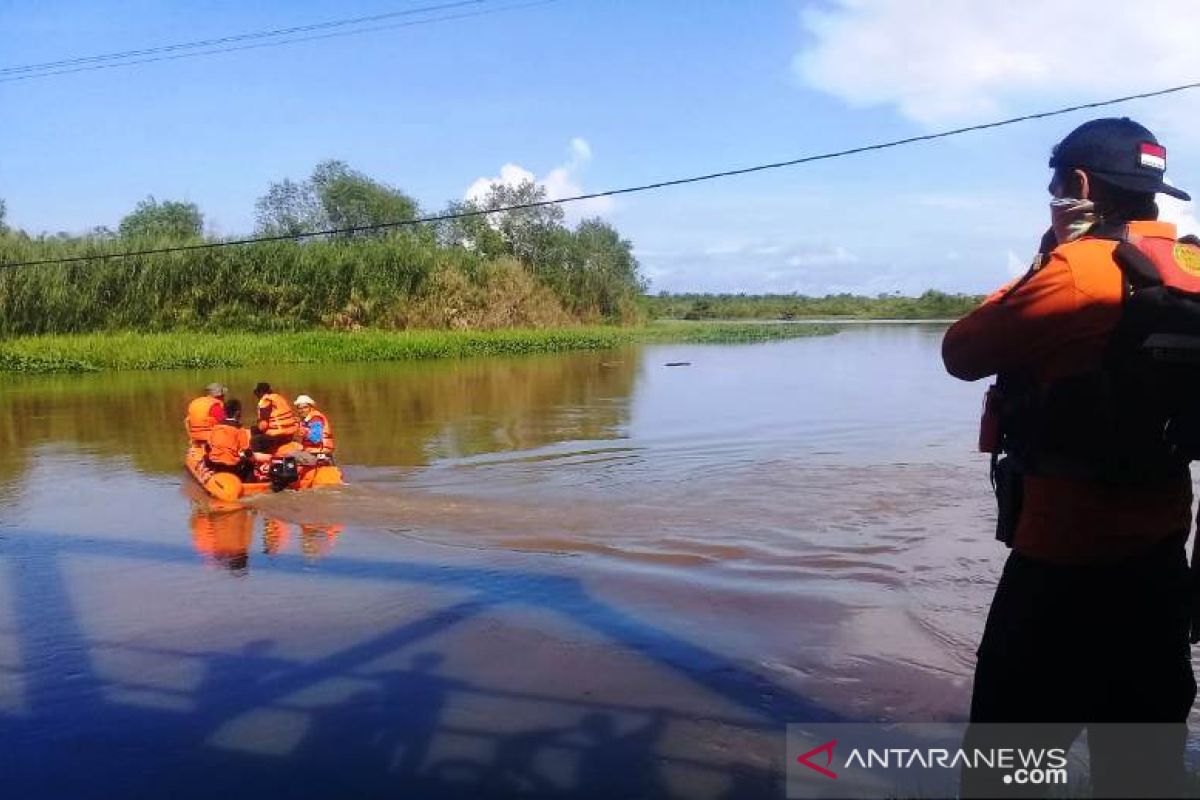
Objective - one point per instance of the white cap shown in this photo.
(304, 400)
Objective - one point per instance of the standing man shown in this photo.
(1090, 620)
(277, 423)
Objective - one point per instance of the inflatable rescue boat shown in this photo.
(290, 468)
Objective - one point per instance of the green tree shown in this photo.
(169, 219)
(350, 199)
(534, 235)
(288, 209)
(605, 273)
(604, 252)
(472, 232)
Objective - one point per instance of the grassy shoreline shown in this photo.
(185, 350)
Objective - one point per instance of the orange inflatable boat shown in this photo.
(291, 468)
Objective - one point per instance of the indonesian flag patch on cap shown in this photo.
(1153, 156)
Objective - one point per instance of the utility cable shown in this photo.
(66, 62)
(11, 78)
(615, 192)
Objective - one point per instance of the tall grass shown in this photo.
(400, 281)
(126, 351)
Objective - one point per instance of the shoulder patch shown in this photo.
(1188, 258)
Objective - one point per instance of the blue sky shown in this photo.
(594, 94)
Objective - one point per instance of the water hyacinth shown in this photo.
(125, 351)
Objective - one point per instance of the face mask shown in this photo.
(1071, 218)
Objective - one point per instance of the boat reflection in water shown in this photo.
(223, 533)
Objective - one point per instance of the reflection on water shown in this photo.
(386, 415)
(585, 575)
(224, 532)
(225, 537)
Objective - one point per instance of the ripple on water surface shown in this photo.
(696, 555)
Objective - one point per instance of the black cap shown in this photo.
(262, 388)
(1118, 151)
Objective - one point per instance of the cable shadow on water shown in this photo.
(259, 723)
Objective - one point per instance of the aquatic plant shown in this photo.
(185, 350)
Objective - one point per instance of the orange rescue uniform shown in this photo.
(275, 416)
(1055, 324)
(226, 444)
(203, 414)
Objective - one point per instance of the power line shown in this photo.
(232, 38)
(646, 187)
(280, 43)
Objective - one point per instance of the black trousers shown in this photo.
(1069, 647)
(244, 470)
(262, 443)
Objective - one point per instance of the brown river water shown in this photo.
(569, 576)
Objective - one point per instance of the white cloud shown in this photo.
(561, 181)
(941, 61)
(581, 151)
(510, 175)
(812, 258)
(726, 248)
(758, 265)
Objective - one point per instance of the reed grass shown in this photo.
(179, 350)
(395, 282)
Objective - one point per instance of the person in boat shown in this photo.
(228, 448)
(205, 412)
(316, 435)
(1090, 620)
(277, 424)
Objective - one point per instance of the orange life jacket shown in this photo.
(326, 445)
(282, 421)
(199, 420)
(1056, 329)
(226, 443)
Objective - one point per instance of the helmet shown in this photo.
(215, 390)
(304, 400)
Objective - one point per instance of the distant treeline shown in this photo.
(930, 305)
(523, 268)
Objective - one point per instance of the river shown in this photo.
(578, 575)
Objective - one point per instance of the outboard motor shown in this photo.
(283, 473)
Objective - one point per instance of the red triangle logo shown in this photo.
(827, 749)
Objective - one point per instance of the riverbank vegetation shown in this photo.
(514, 269)
(930, 305)
(518, 269)
(135, 351)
